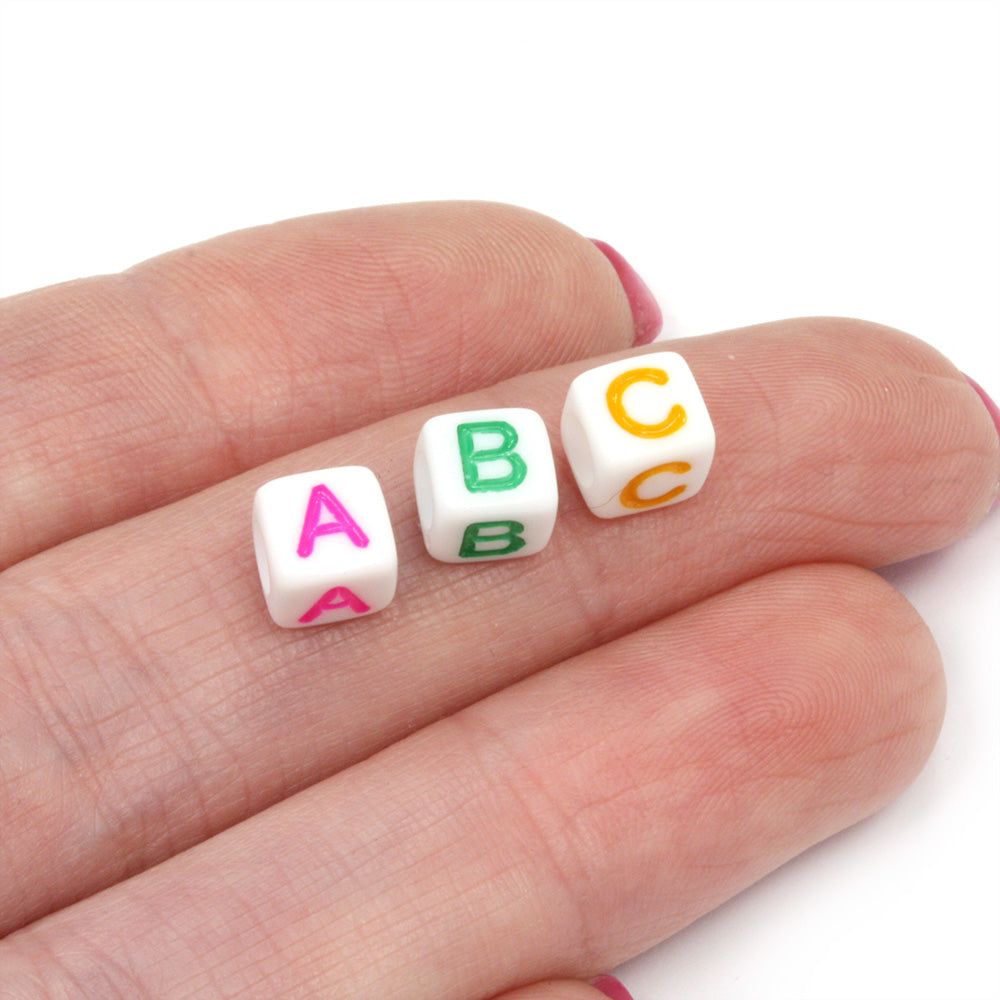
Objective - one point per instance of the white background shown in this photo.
(752, 160)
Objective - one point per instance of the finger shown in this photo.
(555, 829)
(120, 393)
(146, 680)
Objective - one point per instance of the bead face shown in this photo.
(485, 484)
(325, 548)
(637, 434)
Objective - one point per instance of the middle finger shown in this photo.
(150, 684)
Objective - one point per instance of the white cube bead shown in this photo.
(637, 434)
(485, 485)
(325, 548)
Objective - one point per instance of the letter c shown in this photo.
(629, 497)
(675, 420)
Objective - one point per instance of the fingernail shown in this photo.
(611, 987)
(647, 320)
(990, 405)
(994, 412)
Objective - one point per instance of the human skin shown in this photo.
(519, 774)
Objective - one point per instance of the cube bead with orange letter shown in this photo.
(637, 434)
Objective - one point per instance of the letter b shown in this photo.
(478, 459)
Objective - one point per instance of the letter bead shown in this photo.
(325, 548)
(637, 434)
(485, 485)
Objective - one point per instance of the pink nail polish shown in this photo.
(611, 987)
(647, 319)
(994, 410)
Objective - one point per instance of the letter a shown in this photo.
(320, 498)
(338, 597)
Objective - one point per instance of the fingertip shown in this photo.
(561, 282)
(994, 411)
(873, 690)
(647, 317)
(901, 426)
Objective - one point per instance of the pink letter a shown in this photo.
(321, 497)
(339, 597)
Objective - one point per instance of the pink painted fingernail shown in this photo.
(990, 405)
(611, 987)
(646, 316)
(994, 412)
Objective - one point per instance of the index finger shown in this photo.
(122, 393)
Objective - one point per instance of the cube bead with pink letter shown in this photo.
(325, 547)
(637, 434)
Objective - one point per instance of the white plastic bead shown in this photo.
(325, 548)
(637, 434)
(485, 485)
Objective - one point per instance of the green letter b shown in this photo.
(512, 468)
(480, 538)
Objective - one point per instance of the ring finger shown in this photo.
(552, 830)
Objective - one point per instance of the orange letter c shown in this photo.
(675, 420)
(629, 496)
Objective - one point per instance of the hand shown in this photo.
(518, 774)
